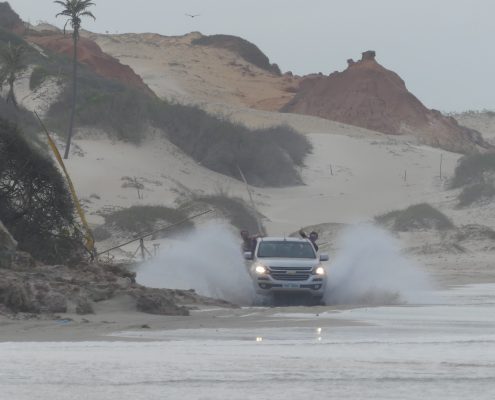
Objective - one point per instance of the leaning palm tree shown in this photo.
(74, 10)
(11, 61)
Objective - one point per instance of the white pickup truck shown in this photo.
(280, 265)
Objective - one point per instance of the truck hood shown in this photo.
(289, 262)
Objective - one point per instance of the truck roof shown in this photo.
(282, 239)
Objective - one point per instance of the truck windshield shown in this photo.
(286, 250)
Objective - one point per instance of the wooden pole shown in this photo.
(145, 235)
(441, 162)
(253, 205)
(141, 245)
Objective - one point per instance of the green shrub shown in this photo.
(476, 193)
(35, 204)
(31, 56)
(21, 117)
(473, 169)
(144, 219)
(236, 210)
(478, 233)
(37, 78)
(9, 19)
(101, 233)
(104, 104)
(267, 157)
(416, 217)
(243, 48)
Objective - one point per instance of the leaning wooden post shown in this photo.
(141, 245)
(441, 162)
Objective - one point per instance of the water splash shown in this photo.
(208, 260)
(370, 269)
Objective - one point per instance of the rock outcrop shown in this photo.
(91, 55)
(27, 286)
(370, 96)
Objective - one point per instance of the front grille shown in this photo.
(290, 273)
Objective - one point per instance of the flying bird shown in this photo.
(193, 15)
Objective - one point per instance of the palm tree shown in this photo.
(11, 59)
(74, 10)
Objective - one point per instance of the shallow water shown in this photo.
(441, 351)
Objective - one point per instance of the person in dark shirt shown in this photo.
(313, 237)
(248, 242)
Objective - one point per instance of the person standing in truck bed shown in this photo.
(248, 242)
(313, 237)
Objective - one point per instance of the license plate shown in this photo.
(291, 286)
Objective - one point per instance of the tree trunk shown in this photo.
(11, 94)
(74, 95)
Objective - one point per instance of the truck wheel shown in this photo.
(317, 301)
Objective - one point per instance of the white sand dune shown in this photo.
(352, 175)
(176, 69)
(347, 179)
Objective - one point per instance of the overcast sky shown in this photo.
(443, 49)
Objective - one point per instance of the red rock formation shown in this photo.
(368, 95)
(91, 55)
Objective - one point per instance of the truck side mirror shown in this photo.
(248, 256)
(324, 257)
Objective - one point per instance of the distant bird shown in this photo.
(193, 15)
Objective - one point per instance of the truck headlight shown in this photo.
(320, 271)
(260, 269)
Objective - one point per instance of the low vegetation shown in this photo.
(243, 48)
(24, 119)
(144, 219)
(417, 217)
(101, 233)
(8, 17)
(268, 157)
(11, 66)
(19, 116)
(474, 113)
(35, 204)
(476, 193)
(478, 233)
(38, 76)
(473, 169)
(234, 209)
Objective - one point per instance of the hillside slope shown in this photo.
(195, 69)
(482, 121)
(214, 71)
(9, 19)
(368, 95)
(91, 55)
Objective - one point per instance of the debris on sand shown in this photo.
(27, 286)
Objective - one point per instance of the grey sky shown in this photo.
(443, 49)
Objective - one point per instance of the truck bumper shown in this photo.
(314, 287)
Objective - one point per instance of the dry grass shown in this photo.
(476, 193)
(417, 217)
(477, 168)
